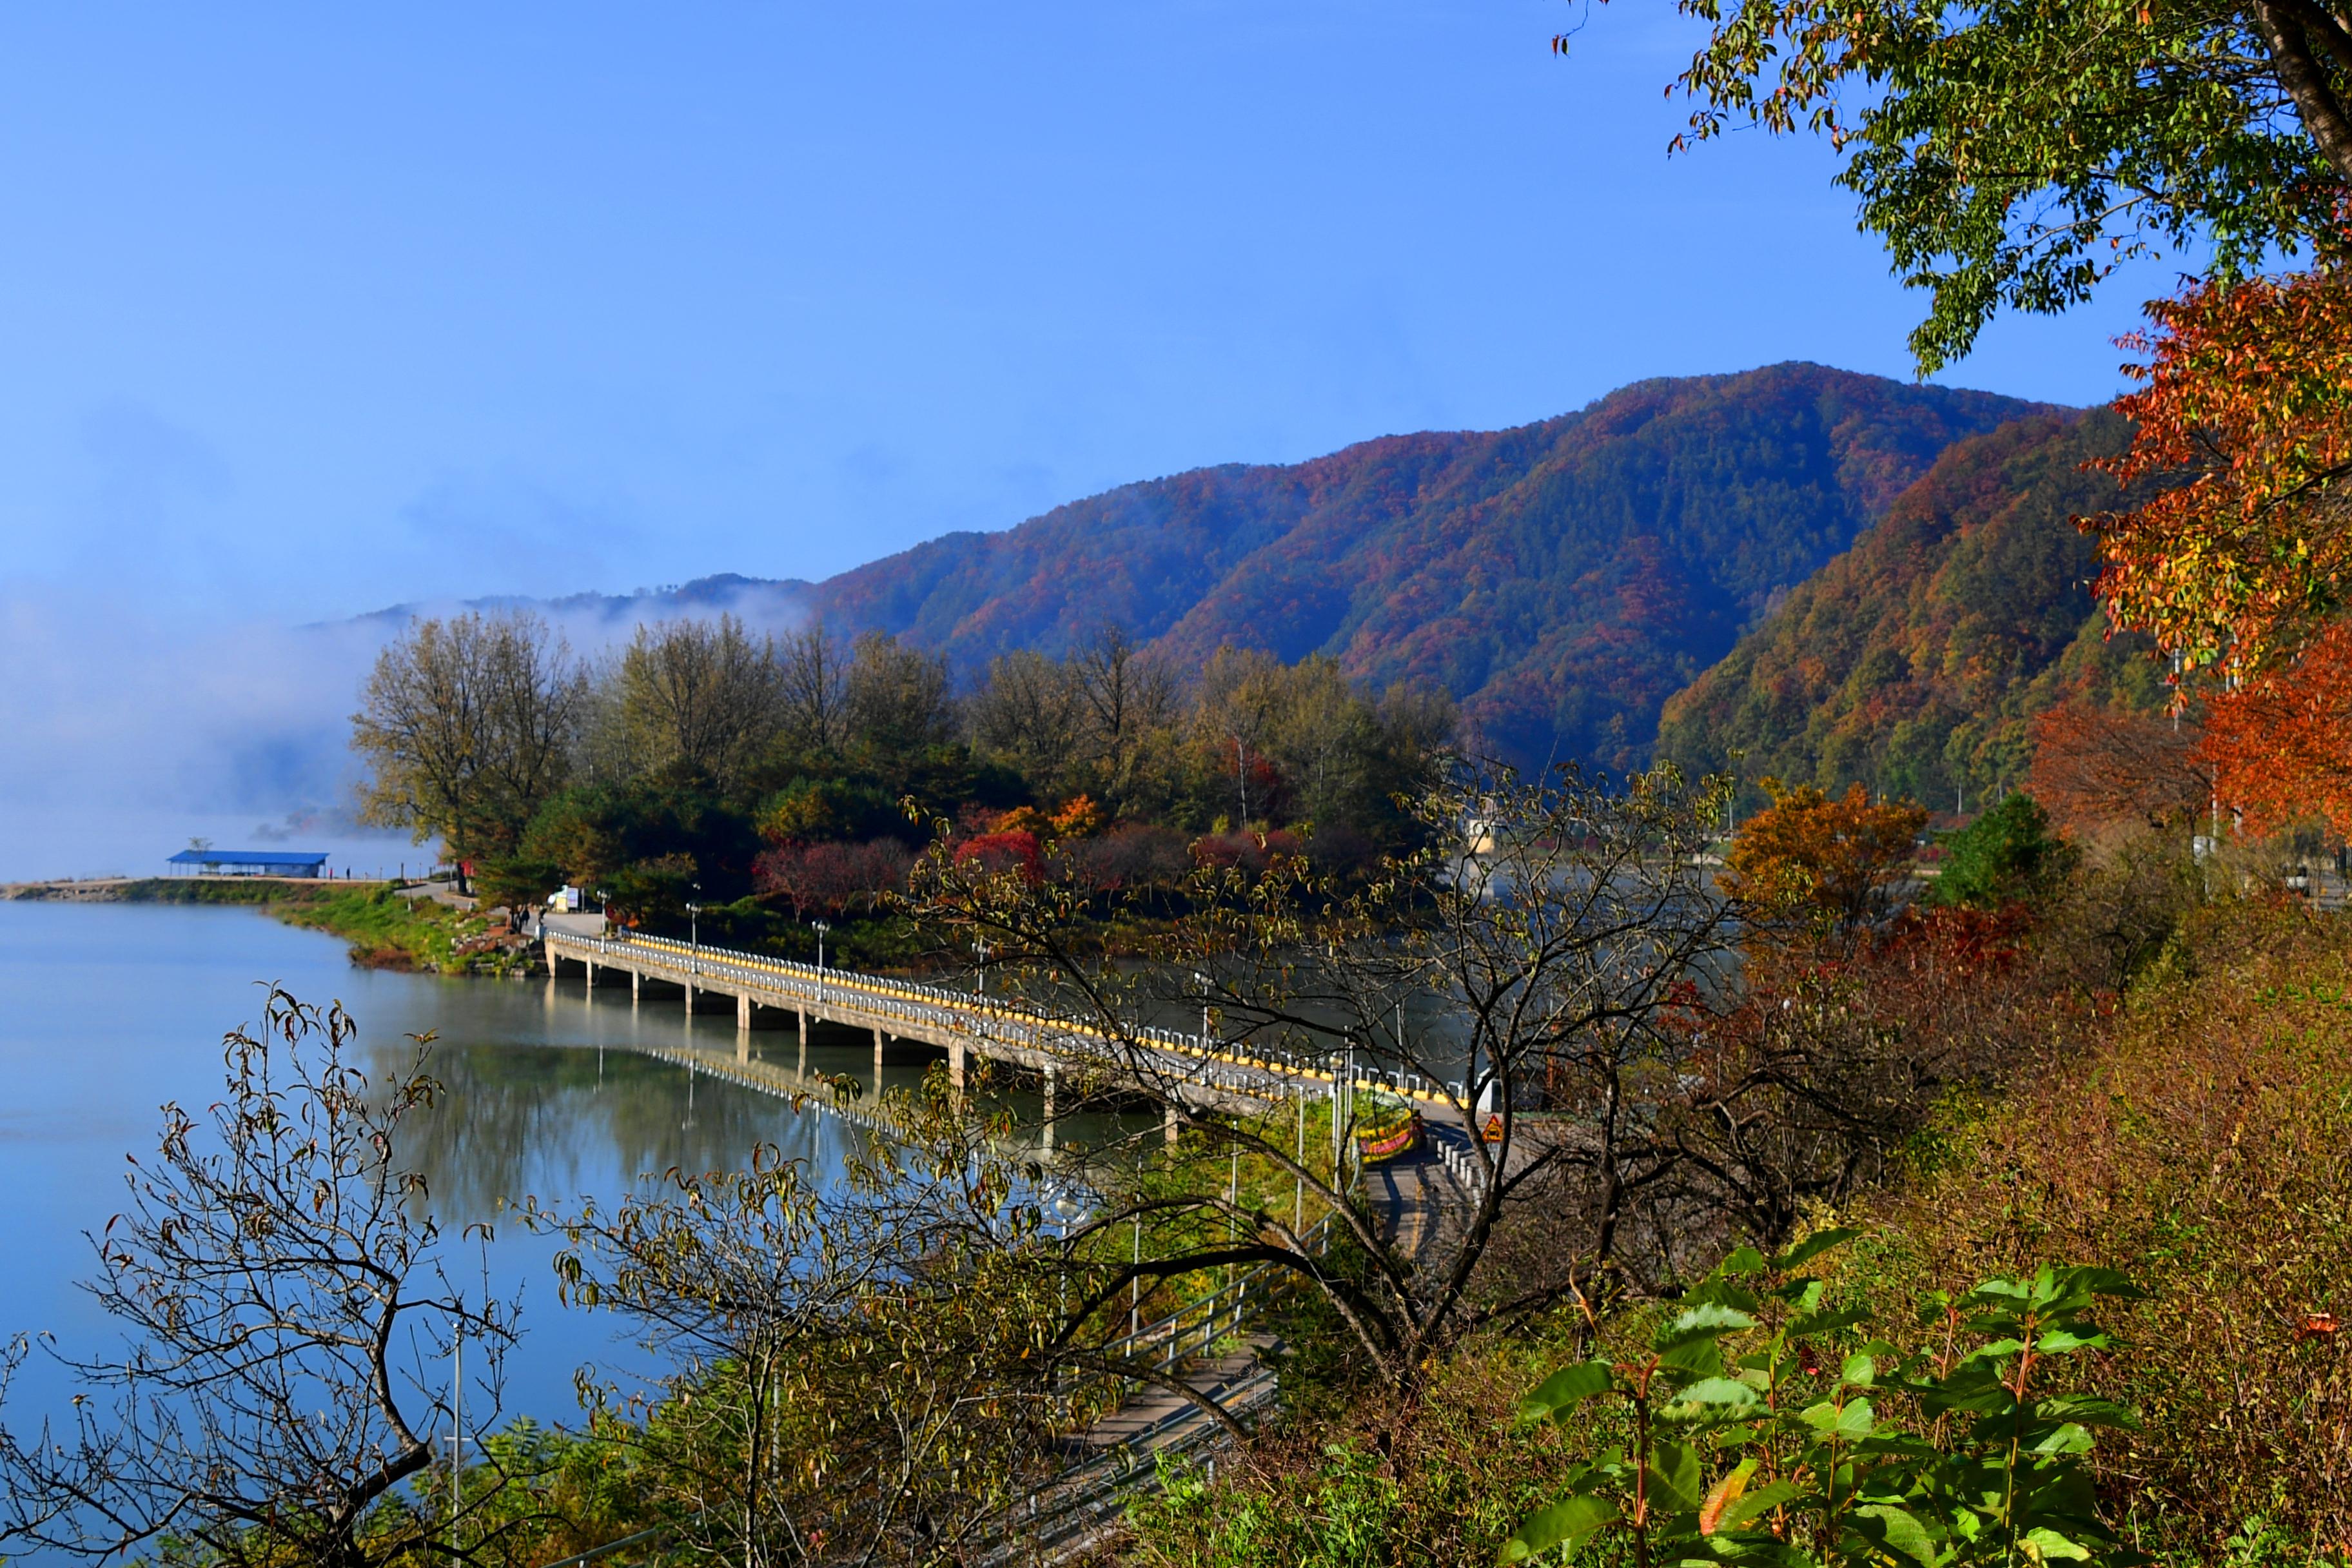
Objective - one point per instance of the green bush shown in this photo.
(2007, 856)
(1766, 1430)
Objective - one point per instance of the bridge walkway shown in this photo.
(1206, 1072)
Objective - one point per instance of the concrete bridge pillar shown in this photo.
(637, 983)
(804, 1066)
(878, 1038)
(743, 1013)
(547, 949)
(1046, 1129)
(688, 985)
(955, 1065)
(588, 973)
(1168, 1127)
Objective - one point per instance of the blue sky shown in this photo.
(307, 310)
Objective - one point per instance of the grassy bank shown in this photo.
(2204, 1146)
(2198, 1139)
(388, 931)
(384, 929)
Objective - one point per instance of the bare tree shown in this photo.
(703, 694)
(1531, 973)
(289, 1321)
(468, 725)
(897, 698)
(1029, 712)
(853, 1373)
(1129, 698)
(1241, 698)
(816, 689)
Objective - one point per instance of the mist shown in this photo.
(128, 730)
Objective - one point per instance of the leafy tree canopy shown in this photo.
(1827, 862)
(2009, 855)
(2242, 405)
(2014, 153)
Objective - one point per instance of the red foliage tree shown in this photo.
(2244, 426)
(2096, 766)
(2241, 563)
(2280, 746)
(1017, 850)
(832, 878)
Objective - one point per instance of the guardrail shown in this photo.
(907, 999)
(1463, 1166)
(1196, 1322)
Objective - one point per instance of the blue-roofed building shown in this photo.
(250, 863)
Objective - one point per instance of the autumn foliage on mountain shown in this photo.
(1560, 579)
(1916, 664)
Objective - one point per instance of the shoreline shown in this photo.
(386, 925)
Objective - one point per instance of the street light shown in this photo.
(693, 933)
(1202, 981)
(820, 928)
(979, 946)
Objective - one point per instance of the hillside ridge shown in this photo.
(1561, 578)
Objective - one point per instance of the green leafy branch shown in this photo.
(1763, 1433)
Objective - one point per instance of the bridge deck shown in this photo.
(1204, 1071)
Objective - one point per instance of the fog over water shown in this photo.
(114, 1009)
(129, 732)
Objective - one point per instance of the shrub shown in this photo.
(1012, 851)
(2008, 856)
(1248, 852)
(2204, 1144)
(1132, 855)
(1764, 1427)
(831, 878)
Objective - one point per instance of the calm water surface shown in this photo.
(107, 1010)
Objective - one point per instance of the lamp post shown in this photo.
(604, 919)
(820, 928)
(1068, 1209)
(979, 946)
(693, 933)
(1202, 981)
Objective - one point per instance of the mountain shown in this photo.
(1915, 662)
(1561, 579)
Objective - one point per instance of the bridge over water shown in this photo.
(1210, 1340)
(907, 1017)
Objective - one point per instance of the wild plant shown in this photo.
(1767, 1430)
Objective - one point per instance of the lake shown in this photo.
(113, 1009)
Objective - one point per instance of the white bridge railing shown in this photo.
(1204, 1059)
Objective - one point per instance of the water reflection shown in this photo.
(111, 1010)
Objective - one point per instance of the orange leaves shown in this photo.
(1819, 857)
(2244, 417)
(2095, 767)
(2281, 745)
(1080, 817)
